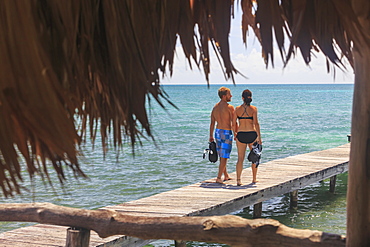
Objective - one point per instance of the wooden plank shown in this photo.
(120, 241)
(268, 193)
(45, 235)
(54, 232)
(22, 243)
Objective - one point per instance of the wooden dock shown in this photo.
(275, 177)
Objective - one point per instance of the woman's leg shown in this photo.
(241, 155)
(254, 173)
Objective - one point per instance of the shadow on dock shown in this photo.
(226, 186)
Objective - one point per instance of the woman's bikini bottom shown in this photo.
(246, 137)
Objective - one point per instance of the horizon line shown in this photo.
(263, 83)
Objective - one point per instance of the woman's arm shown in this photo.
(234, 123)
(257, 126)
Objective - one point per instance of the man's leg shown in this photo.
(221, 169)
(226, 174)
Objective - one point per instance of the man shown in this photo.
(222, 115)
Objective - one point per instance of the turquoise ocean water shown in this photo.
(294, 119)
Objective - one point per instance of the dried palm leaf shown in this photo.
(90, 65)
(326, 26)
(69, 67)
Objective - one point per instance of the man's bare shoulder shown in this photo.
(215, 107)
(231, 108)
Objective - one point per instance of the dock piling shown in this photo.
(78, 237)
(180, 243)
(333, 179)
(257, 210)
(294, 200)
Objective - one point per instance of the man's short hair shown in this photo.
(222, 91)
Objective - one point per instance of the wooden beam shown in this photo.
(230, 229)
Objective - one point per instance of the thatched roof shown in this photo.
(71, 66)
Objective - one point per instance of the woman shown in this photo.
(245, 124)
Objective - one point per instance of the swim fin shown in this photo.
(212, 152)
(255, 154)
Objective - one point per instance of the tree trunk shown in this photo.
(231, 230)
(358, 196)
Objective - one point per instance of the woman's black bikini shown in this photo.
(246, 136)
(245, 112)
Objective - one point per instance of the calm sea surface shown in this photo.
(294, 119)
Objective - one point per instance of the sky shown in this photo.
(249, 62)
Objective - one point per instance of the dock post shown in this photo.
(294, 199)
(180, 243)
(333, 179)
(257, 210)
(78, 237)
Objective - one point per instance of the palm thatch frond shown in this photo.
(36, 110)
(92, 63)
(95, 63)
(327, 26)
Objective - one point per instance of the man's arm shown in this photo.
(212, 127)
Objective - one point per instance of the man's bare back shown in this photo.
(222, 113)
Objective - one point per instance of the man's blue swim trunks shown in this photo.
(224, 140)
